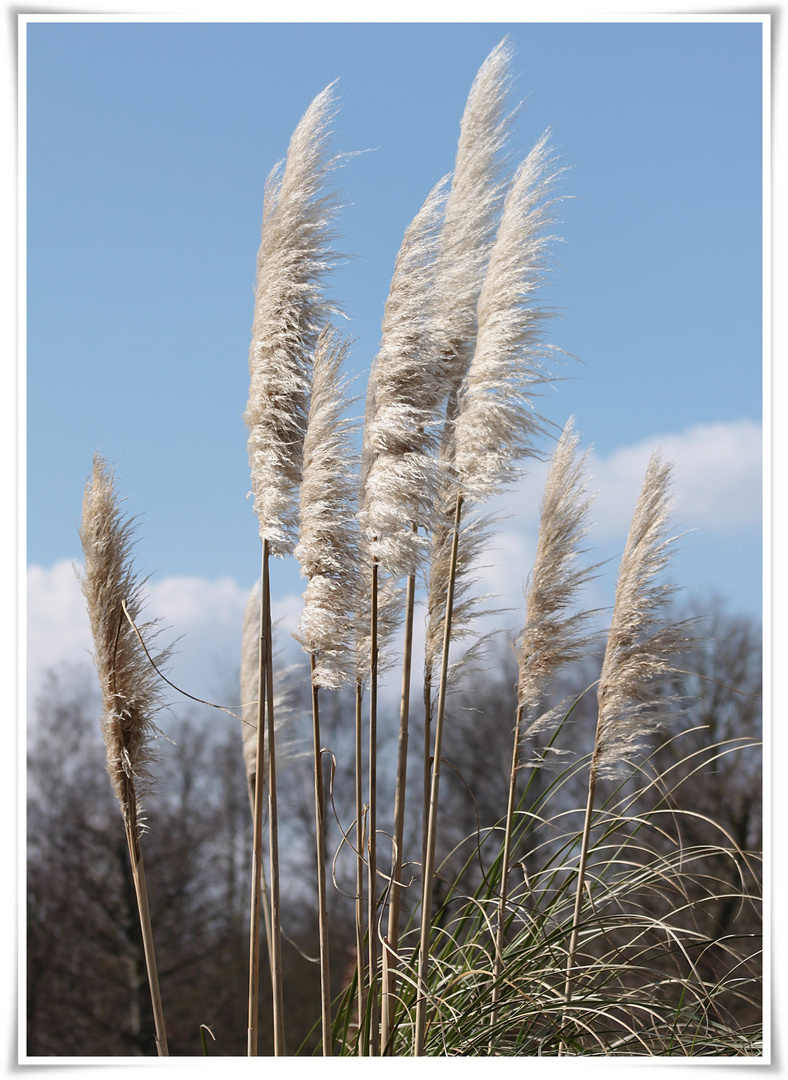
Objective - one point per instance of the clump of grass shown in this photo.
(603, 947)
(652, 975)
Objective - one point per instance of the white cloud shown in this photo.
(716, 481)
(717, 478)
(58, 630)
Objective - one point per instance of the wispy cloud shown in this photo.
(717, 477)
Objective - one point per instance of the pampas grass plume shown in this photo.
(554, 634)
(328, 545)
(289, 312)
(473, 206)
(639, 648)
(497, 424)
(407, 386)
(130, 690)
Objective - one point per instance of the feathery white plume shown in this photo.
(471, 218)
(407, 386)
(638, 647)
(490, 423)
(130, 688)
(473, 206)
(496, 423)
(554, 634)
(328, 542)
(289, 312)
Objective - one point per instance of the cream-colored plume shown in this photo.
(472, 215)
(554, 633)
(639, 648)
(490, 421)
(130, 688)
(473, 207)
(407, 386)
(497, 423)
(290, 310)
(328, 538)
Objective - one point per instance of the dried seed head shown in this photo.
(407, 386)
(496, 422)
(328, 539)
(639, 648)
(473, 206)
(130, 689)
(554, 633)
(290, 310)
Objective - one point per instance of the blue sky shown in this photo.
(148, 145)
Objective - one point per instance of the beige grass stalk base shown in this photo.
(325, 979)
(265, 692)
(141, 890)
(360, 966)
(390, 949)
(429, 864)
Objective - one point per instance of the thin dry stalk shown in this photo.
(129, 691)
(257, 872)
(638, 651)
(267, 671)
(284, 713)
(141, 892)
(359, 919)
(372, 863)
(429, 862)
(320, 834)
(392, 936)
(265, 765)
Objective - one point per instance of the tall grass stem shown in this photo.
(392, 936)
(372, 906)
(273, 819)
(325, 980)
(505, 859)
(360, 965)
(429, 865)
(141, 890)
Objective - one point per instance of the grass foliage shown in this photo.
(656, 974)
